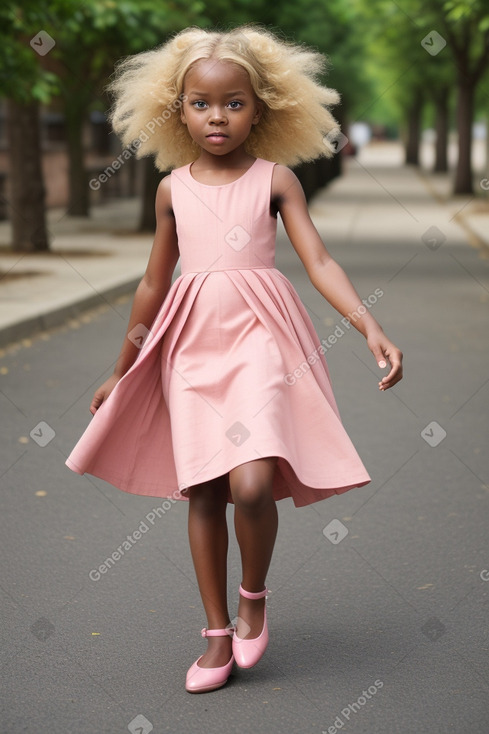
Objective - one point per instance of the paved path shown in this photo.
(378, 621)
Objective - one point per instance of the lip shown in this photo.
(216, 135)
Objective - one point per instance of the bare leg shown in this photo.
(256, 523)
(208, 535)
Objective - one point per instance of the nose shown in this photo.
(217, 116)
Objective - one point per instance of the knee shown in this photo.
(208, 499)
(251, 496)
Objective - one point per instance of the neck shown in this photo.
(236, 159)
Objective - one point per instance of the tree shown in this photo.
(466, 25)
(25, 84)
(451, 40)
(95, 34)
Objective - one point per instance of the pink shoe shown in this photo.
(200, 680)
(248, 652)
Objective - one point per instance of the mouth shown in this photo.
(216, 135)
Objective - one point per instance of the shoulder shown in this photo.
(163, 195)
(284, 182)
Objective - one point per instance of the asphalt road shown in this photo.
(378, 622)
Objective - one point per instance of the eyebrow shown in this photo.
(229, 94)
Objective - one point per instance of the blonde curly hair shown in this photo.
(295, 125)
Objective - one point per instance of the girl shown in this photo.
(221, 392)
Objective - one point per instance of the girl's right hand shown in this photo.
(103, 393)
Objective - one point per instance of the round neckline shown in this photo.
(219, 186)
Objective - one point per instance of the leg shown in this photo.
(208, 535)
(256, 522)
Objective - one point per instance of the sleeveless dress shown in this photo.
(231, 369)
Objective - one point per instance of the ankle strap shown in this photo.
(217, 633)
(253, 594)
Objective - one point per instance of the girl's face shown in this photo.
(220, 107)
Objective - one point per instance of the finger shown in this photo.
(394, 376)
(96, 403)
(379, 357)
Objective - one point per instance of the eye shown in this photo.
(199, 104)
(235, 104)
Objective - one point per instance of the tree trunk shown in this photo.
(413, 131)
(441, 129)
(151, 179)
(485, 178)
(27, 192)
(78, 202)
(465, 114)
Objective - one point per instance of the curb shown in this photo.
(28, 327)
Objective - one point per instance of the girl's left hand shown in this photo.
(386, 353)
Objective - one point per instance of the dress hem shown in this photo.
(302, 496)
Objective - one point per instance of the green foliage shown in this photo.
(374, 49)
(89, 35)
(402, 68)
(23, 77)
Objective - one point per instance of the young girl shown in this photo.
(221, 392)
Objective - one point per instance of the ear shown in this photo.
(182, 116)
(258, 112)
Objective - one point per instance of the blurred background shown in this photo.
(412, 74)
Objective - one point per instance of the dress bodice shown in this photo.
(225, 227)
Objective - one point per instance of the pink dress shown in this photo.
(231, 370)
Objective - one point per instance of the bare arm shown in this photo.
(327, 276)
(151, 291)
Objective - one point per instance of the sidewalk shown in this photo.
(96, 260)
(92, 261)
